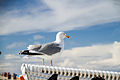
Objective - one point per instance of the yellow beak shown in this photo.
(67, 36)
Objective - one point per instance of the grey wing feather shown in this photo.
(37, 48)
(50, 48)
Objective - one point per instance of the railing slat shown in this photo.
(41, 72)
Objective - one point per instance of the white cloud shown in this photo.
(101, 57)
(66, 63)
(5, 64)
(8, 66)
(12, 62)
(11, 56)
(62, 15)
(91, 57)
(18, 44)
(37, 37)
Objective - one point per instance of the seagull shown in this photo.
(48, 49)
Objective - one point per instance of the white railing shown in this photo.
(41, 72)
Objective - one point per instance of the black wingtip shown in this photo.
(24, 52)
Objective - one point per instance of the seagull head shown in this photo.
(61, 35)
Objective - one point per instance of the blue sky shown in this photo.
(90, 24)
(98, 34)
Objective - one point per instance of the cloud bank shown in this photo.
(100, 57)
(58, 15)
(103, 57)
(37, 37)
(18, 44)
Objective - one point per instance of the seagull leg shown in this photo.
(43, 61)
(51, 62)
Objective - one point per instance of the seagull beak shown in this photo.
(67, 36)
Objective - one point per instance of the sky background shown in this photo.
(93, 27)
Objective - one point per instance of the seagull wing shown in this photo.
(50, 48)
(34, 47)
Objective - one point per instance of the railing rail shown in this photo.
(41, 72)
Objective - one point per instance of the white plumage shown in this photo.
(48, 49)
